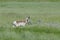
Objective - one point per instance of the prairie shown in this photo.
(47, 12)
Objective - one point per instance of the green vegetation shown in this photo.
(48, 12)
(31, 0)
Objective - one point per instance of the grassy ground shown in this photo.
(47, 12)
(31, 0)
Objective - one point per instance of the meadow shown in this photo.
(47, 12)
(30, 0)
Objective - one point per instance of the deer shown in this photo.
(21, 22)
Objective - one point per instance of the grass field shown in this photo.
(47, 12)
(30, 0)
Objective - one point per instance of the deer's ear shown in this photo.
(29, 17)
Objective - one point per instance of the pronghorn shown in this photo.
(21, 23)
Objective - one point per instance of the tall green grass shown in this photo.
(31, 0)
(46, 11)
